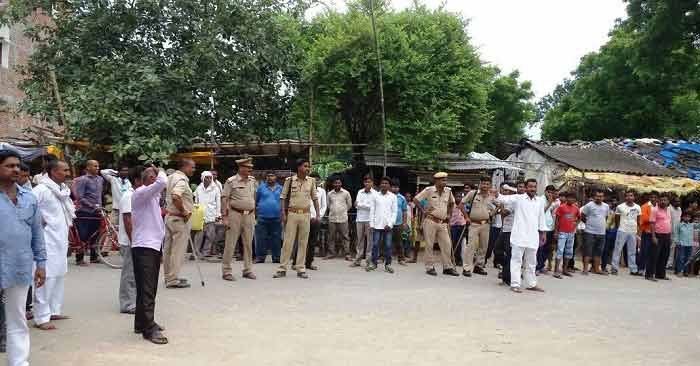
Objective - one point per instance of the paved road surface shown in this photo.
(344, 316)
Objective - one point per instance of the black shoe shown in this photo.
(450, 272)
(259, 261)
(303, 275)
(652, 279)
(480, 271)
(431, 272)
(466, 273)
(130, 311)
(159, 327)
(637, 274)
(156, 337)
(279, 274)
(276, 261)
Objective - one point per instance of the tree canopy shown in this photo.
(148, 77)
(643, 83)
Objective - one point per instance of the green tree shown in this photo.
(149, 77)
(511, 108)
(435, 85)
(642, 83)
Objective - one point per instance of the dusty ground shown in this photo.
(344, 316)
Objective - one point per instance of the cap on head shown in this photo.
(440, 175)
(246, 162)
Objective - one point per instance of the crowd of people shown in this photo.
(527, 235)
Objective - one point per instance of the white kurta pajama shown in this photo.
(57, 213)
(528, 222)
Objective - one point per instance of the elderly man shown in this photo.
(87, 190)
(436, 204)
(179, 203)
(57, 212)
(21, 248)
(208, 196)
(239, 218)
(527, 233)
(148, 231)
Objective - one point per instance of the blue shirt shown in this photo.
(88, 191)
(267, 201)
(21, 239)
(403, 206)
(684, 233)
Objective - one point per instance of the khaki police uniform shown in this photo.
(482, 208)
(239, 195)
(299, 195)
(435, 226)
(177, 230)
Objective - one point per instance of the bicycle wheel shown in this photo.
(109, 250)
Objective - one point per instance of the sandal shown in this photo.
(59, 317)
(557, 275)
(249, 275)
(517, 290)
(228, 277)
(45, 326)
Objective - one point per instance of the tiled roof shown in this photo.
(600, 156)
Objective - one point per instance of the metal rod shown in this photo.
(381, 81)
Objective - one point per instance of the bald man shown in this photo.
(87, 190)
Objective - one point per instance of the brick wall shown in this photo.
(17, 48)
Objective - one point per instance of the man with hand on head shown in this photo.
(147, 233)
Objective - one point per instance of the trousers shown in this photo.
(437, 232)
(205, 238)
(339, 236)
(17, 329)
(87, 224)
(127, 283)
(522, 265)
(314, 231)
(177, 234)
(295, 230)
(364, 241)
(240, 226)
(268, 236)
(48, 299)
(658, 256)
(629, 242)
(503, 244)
(491, 250)
(146, 270)
(377, 236)
(544, 252)
(478, 243)
(396, 242)
(457, 248)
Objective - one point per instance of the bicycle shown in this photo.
(107, 241)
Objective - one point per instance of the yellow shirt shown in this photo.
(302, 192)
(240, 192)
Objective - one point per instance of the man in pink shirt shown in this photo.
(148, 231)
(660, 225)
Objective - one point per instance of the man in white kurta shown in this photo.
(527, 233)
(57, 211)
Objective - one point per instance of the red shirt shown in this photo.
(568, 218)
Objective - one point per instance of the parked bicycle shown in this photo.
(106, 243)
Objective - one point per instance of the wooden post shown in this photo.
(311, 125)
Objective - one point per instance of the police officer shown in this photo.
(179, 203)
(436, 204)
(298, 193)
(239, 218)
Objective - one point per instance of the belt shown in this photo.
(435, 219)
(480, 222)
(242, 212)
(298, 210)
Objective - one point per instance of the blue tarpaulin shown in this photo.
(26, 153)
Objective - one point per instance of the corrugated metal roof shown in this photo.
(601, 156)
(449, 162)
